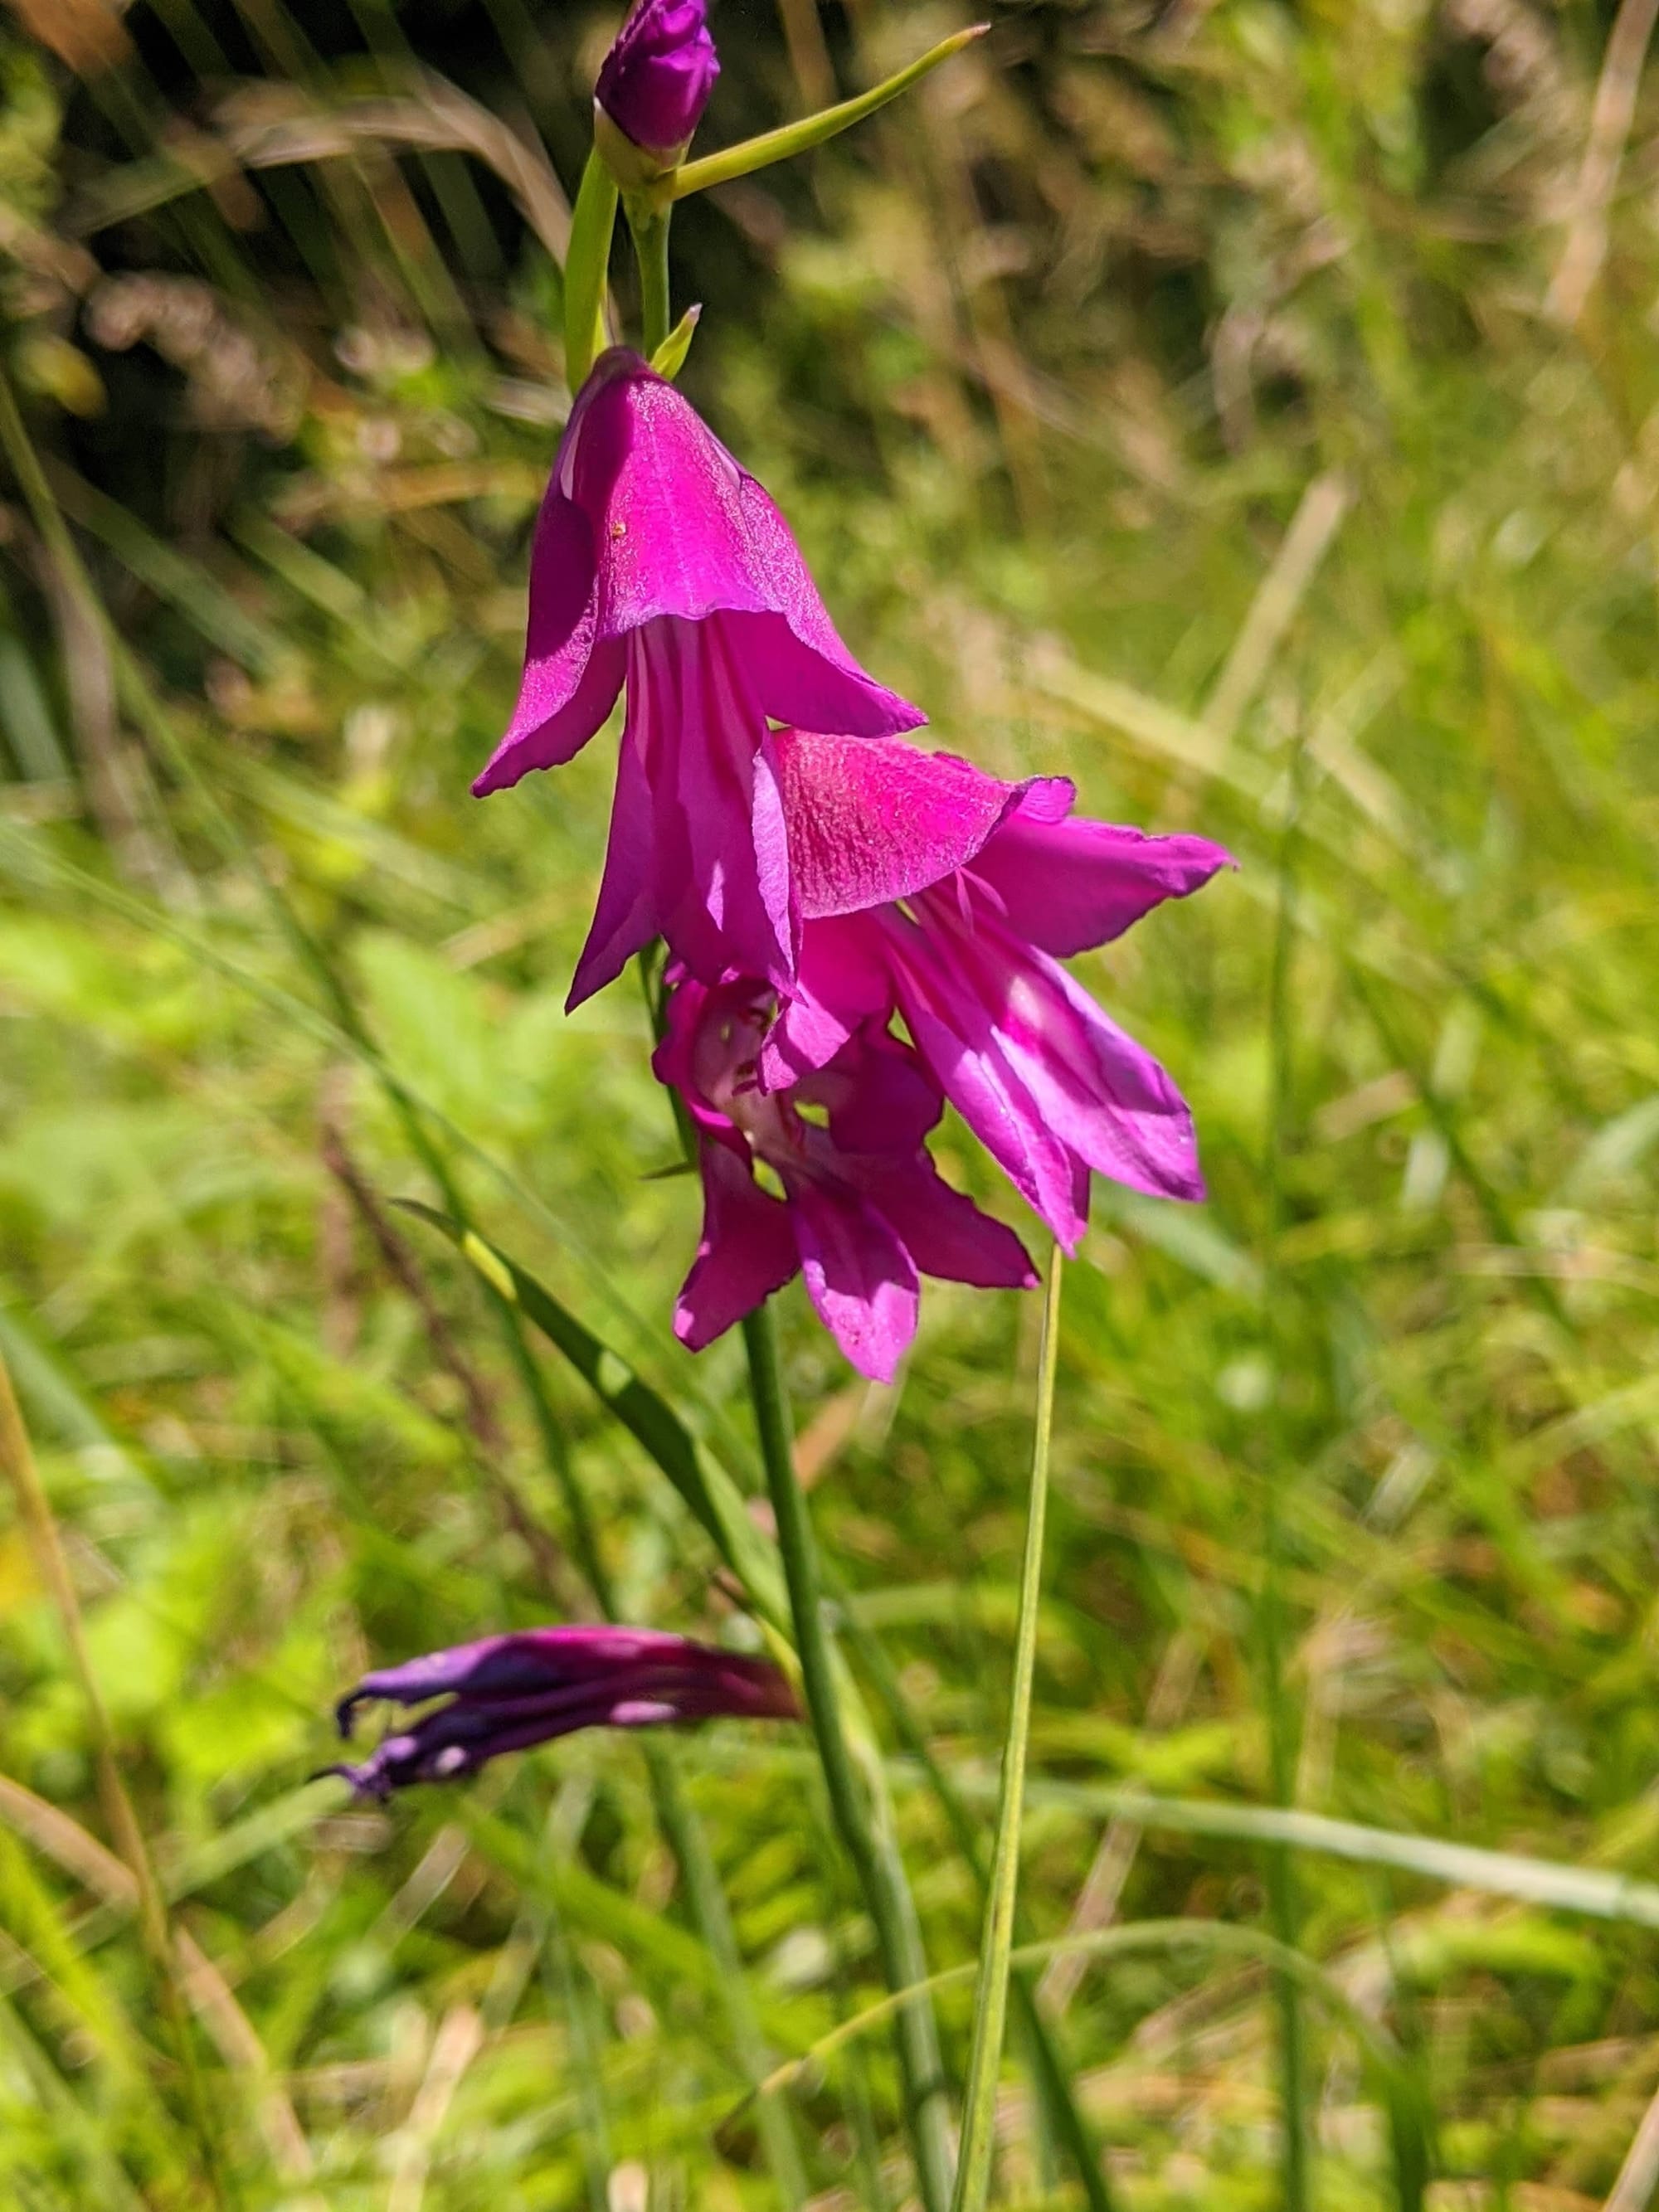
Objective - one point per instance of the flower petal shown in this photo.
(858, 1275)
(841, 981)
(746, 1250)
(626, 915)
(1099, 1092)
(944, 1232)
(1069, 886)
(571, 675)
(872, 822)
(678, 528)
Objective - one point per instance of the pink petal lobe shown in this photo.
(946, 1234)
(746, 1251)
(813, 678)
(626, 916)
(986, 1090)
(857, 1274)
(1099, 1092)
(571, 675)
(868, 823)
(1069, 886)
(679, 528)
(841, 982)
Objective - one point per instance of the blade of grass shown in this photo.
(792, 138)
(35, 1510)
(1221, 1936)
(996, 1943)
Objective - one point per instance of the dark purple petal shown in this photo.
(508, 1692)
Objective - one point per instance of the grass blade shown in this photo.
(991, 2000)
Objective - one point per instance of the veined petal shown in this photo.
(626, 916)
(803, 673)
(868, 823)
(571, 675)
(879, 1100)
(678, 528)
(987, 1092)
(1069, 886)
(858, 1275)
(723, 897)
(1098, 1090)
(841, 982)
(747, 1250)
(944, 1232)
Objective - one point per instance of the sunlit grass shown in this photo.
(1176, 409)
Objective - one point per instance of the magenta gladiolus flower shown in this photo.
(659, 564)
(656, 79)
(971, 963)
(506, 1693)
(863, 1209)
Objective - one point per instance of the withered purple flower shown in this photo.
(506, 1693)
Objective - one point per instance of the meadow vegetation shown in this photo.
(1248, 410)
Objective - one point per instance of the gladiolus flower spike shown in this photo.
(659, 564)
(970, 960)
(861, 1210)
(506, 1693)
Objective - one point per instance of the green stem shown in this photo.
(585, 262)
(875, 1860)
(991, 2001)
(1048, 2065)
(648, 226)
(1283, 1901)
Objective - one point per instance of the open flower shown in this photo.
(970, 962)
(655, 81)
(506, 1693)
(862, 1211)
(658, 563)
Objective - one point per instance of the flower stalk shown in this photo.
(647, 224)
(879, 1871)
(991, 2000)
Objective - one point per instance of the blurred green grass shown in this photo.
(1194, 402)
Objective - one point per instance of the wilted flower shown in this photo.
(971, 962)
(509, 1692)
(656, 79)
(862, 1210)
(658, 563)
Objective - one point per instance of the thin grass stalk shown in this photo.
(1047, 2060)
(874, 1854)
(154, 1925)
(996, 1946)
(1283, 1901)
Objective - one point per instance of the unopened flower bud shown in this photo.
(655, 85)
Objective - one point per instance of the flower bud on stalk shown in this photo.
(652, 90)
